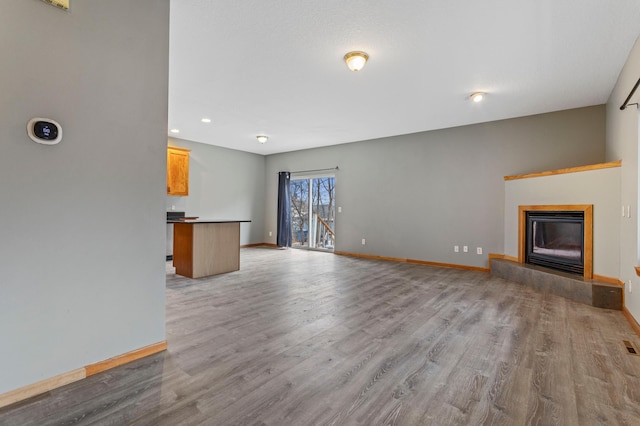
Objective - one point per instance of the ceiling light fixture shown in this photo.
(356, 60)
(477, 97)
(175, 131)
(206, 120)
(262, 138)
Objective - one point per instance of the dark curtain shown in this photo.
(284, 210)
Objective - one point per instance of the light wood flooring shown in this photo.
(307, 338)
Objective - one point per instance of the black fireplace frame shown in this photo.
(561, 263)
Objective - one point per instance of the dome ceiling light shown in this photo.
(356, 60)
(262, 138)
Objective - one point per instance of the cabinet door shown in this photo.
(177, 171)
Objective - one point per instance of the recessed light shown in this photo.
(206, 120)
(477, 97)
(262, 138)
(175, 130)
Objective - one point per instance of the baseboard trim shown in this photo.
(496, 256)
(608, 280)
(449, 265)
(60, 380)
(258, 245)
(41, 387)
(126, 358)
(369, 256)
(501, 256)
(632, 321)
(415, 261)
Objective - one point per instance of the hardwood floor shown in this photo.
(304, 338)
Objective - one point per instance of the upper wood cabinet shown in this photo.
(177, 171)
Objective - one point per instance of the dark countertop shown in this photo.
(180, 217)
(173, 216)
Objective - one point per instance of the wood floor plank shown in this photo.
(306, 338)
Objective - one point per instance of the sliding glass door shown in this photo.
(313, 212)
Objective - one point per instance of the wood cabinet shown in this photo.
(201, 249)
(177, 171)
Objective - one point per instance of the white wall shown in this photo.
(224, 184)
(82, 223)
(622, 143)
(416, 196)
(598, 187)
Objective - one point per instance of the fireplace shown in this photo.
(557, 237)
(554, 239)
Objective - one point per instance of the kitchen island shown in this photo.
(206, 247)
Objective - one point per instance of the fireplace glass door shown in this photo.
(555, 240)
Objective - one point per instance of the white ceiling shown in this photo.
(275, 67)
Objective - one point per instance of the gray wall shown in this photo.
(598, 187)
(82, 222)
(224, 184)
(418, 195)
(622, 144)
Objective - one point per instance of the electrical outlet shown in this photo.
(363, 241)
(479, 250)
(270, 233)
(465, 249)
(339, 209)
(630, 286)
(456, 249)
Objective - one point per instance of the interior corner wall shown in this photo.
(416, 196)
(622, 144)
(83, 222)
(224, 184)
